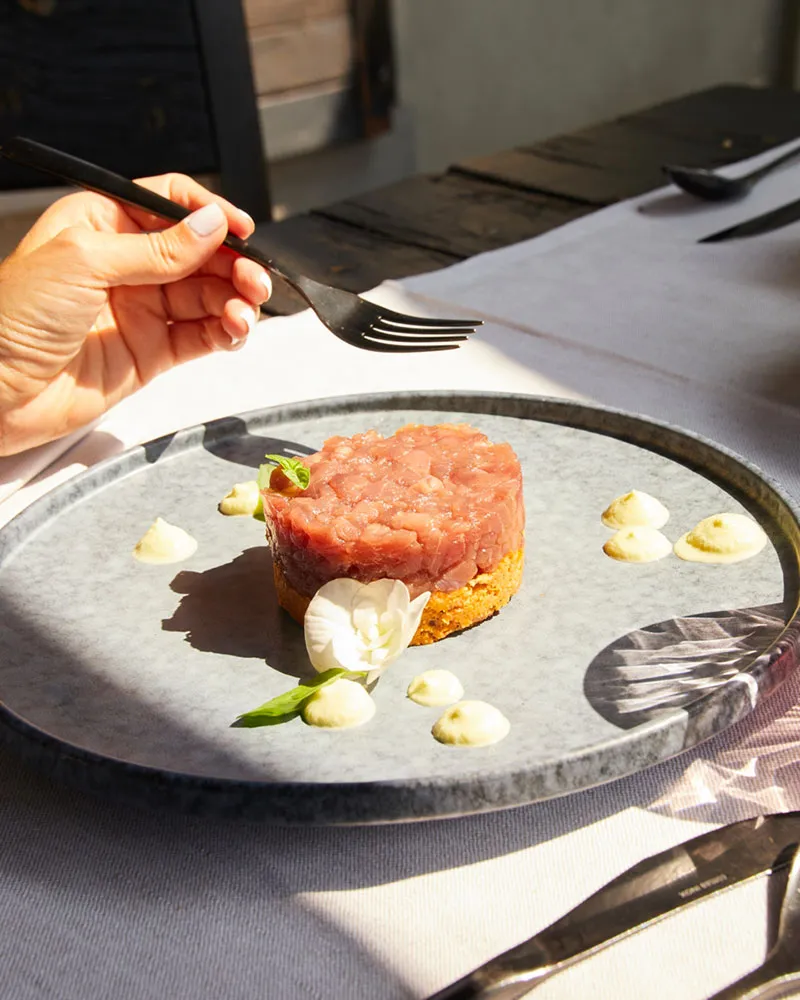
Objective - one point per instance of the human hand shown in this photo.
(98, 299)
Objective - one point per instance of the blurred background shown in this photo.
(285, 105)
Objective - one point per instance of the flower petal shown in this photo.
(365, 617)
(376, 594)
(327, 616)
(414, 614)
(361, 627)
(397, 601)
(349, 651)
(342, 592)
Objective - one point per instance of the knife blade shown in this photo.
(637, 898)
(765, 223)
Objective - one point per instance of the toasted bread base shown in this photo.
(446, 611)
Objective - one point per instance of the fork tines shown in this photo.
(397, 332)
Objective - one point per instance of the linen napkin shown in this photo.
(633, 281)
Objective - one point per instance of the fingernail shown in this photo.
(249, 218)
(249, 316)
(206, 220)
(266, 281)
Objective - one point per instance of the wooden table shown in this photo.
(428, 222)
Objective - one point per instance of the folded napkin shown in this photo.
(16, 470)
(632, 281)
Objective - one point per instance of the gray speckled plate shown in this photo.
(125, 679)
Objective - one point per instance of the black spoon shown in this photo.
(714, 187)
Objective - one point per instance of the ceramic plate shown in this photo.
(125, 679)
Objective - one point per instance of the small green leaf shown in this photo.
(287, 706)
(253, 722)
(293, 469)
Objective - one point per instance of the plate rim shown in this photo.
(149, 785)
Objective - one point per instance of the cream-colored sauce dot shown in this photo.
(722, 538)
(340, 705)
(243, 499)
(434, 688)
(164, 543)
(638, 544)
(635, 508)
(471, 724)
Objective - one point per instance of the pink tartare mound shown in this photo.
(431, 506)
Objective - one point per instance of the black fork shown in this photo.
(349, 317)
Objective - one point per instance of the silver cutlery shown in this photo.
(349, 317)
(639, 897)
(781, 968)
(711, 186)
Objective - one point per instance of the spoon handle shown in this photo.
(790, 154)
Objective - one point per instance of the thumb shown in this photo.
(159, 257)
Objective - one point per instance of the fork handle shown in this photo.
(88, 175)
(766, 981)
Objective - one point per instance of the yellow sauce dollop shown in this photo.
(435, 687)
(638, 544)
(243, 499)
(635, 508)
(340, 705)
(164, 543)
(722, 538)
(471, 724)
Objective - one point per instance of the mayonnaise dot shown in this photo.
(637, 544)
(635, 508)
(471, 724)
(435, 687)
(340, 705)
(722, 538)
(164, 543)
(243, 499)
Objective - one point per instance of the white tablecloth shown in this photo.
(622, 308)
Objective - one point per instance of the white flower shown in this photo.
(361, 626)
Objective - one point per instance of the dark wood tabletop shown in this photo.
(428, 222)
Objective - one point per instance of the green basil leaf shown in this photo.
(293, 469)
(287, 706)
(254, 722)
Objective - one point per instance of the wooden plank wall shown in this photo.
(299, 45)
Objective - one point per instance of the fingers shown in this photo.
(199, 296)
(207, 314)
(195, 338)
(153, 258)
(251, 280)
(187, 192)
(238, 320)
(206, 295)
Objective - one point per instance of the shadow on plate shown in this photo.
(230, 440)
(667, 665)
(232, 609)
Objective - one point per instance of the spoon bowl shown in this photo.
(708, 185)
(712, 186)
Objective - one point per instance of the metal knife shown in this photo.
(765, 223)
(636, 899)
